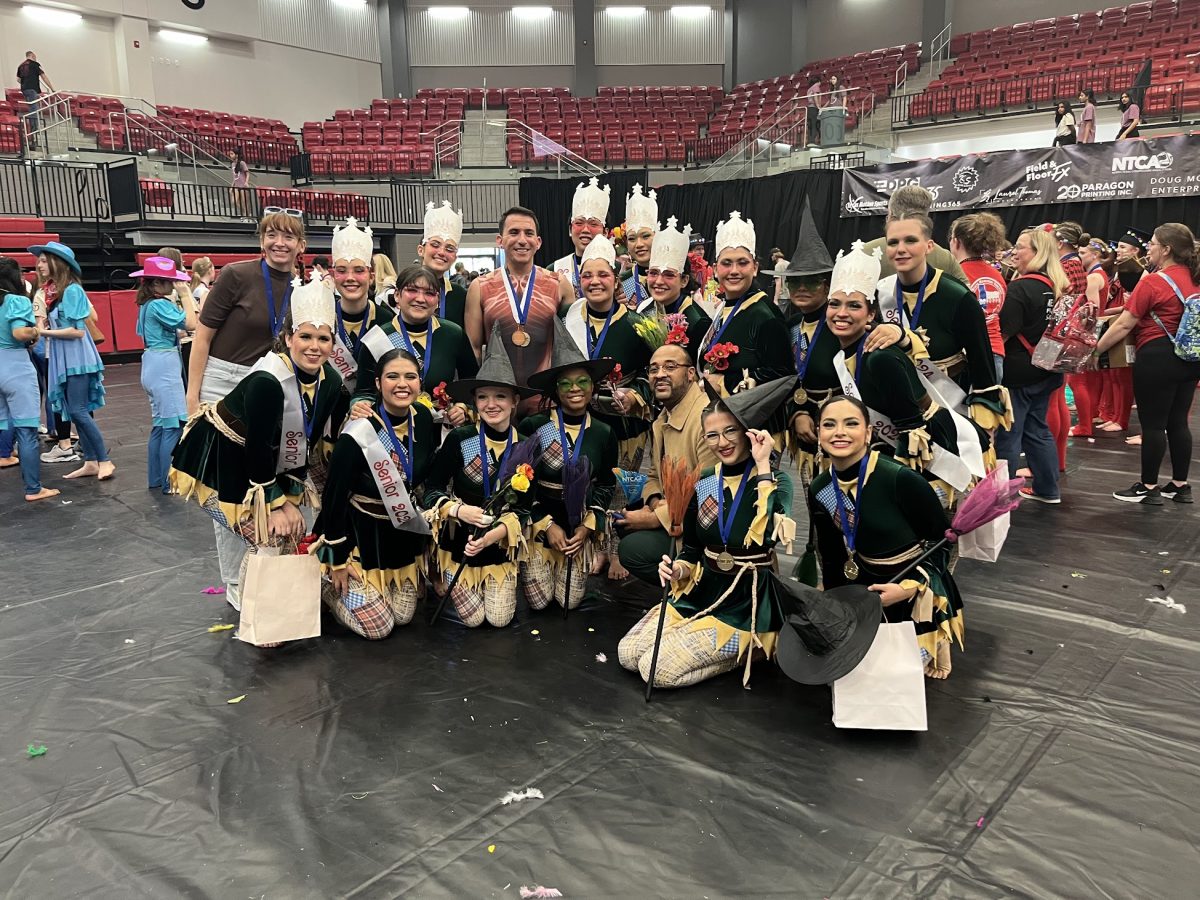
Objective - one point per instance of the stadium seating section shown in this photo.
(1037, 63)
(18, 233)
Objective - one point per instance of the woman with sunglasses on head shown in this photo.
(948, 320)
(566, 433)
(442, 347)
(667, 283)
(873, 516)
(464, 477)
(372, 537)
(907, 417)
(723, 608)
(75, 383)
(20, 399)
(245, 459)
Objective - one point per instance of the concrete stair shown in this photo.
(484, 141)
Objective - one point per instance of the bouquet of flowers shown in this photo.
(617, 235)
(717, 359)
(697, 267)
(614, 377)
(650, 331)
(677, 327)
(441, 399)
(438, 403)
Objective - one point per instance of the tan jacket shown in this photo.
(678, 432)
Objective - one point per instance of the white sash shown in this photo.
(646, 307)
(293, 444)
(880, 424)
(577, 325)
(342, 359)
(952, 396)
(380, 343)
(566, 266)
(401, 510)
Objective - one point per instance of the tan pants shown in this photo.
(491, 602)
(688, 655)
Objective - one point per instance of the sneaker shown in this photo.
(1028, 494)
(60, 455)
(1180, 493)
(1139, 493)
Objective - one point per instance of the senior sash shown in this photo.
(950, 394)
(293, 442)
(402, 512)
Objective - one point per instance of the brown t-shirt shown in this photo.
(237, 308)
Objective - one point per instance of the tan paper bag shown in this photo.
(281, 598)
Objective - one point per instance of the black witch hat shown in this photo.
(811, 256)
(495, 371)
(564, 355)
(825, 633)
(1135, 237)
(753, 408)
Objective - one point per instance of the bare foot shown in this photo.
(599, 561)
(88, 468)
(9, 461)
(939, 674)
(43, 494)
(616, 571)
(1023, 473)
(107, 470)
(1134, 441)
(1111, 426)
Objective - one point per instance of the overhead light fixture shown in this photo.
(532, 13)
(182, 37)
(352, 4)
(625, 12)
(449, 13)
(690, 12)
(47, 16)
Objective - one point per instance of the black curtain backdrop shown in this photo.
(774, 202)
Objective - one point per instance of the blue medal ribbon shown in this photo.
(309, 415)
(570, 454)
(637, 286)
(575, 266)
(522, 305)
(725, 526)
(405, 453)
(805, 354)
(408, 344)
(916, 313)
(486, 467)
(716, 338)
(850, 532)
(276, 320)
(594, 344)
(352, 341)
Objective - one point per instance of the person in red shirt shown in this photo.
(1116, 395)
(1163, 384)
(975, 240)
(1087, 386)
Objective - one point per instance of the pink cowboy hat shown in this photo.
(160, 267)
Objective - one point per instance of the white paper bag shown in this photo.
(986, 541)
(886, 691)
(281, 598)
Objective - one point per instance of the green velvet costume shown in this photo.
(453, 356)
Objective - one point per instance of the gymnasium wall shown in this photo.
(976, 15)
(840, 27)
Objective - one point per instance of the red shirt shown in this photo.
(986, 282)
(1153, 294)
(1073, 266)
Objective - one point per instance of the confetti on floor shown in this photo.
(600, 657)
(527, 794)
(535, 631)
(213, 629)
(438, 789)
(237, 699)
(213, 590)
(35, 752)
(1168, 603)
(491, 848)
(539, 892)
(130, 641)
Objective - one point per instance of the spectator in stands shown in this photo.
(589, 210)
(320, 265)
(1131, 118)
(814, 105)
(383, 281)
(1163, 384)
(837, 91)
(976, 240)
(241, 318)
(905, 200)
(31, 77)
(1040, 282)
(239, 193)
(202, 279)
(1087, 117)
(1064, 124)
(438, 251)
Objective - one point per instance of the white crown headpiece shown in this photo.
(443, 222)
(670, 248)
(351, 242)
(641, 211)
(600, 248)
(590, 200)
(736, 232)
(856, 272)
(312, 302)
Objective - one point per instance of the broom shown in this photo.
(678, 481)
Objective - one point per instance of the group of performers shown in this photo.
(466, 449)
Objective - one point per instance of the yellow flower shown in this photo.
(425, 400)
(520, 483)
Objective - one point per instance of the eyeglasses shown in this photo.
(662, 273)
(809, 283)
(566, 385)
(669, 368)
(286, 210)
(413, 291)
(730, 434)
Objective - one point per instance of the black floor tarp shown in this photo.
(1061, 759)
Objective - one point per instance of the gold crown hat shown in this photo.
(599, 248)
(442, 222)
(736, 232)
(641, 211)
(590, 200)
(856, 272)
(351, 242)
(312, 302)
(670, 247)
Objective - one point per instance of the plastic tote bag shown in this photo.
(281, 597)
(886, 691)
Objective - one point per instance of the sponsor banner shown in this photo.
(1158, 167)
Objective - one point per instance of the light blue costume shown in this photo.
(20, 399)
(162, 379)
(76, 380)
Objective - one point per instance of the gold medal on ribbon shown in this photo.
(725, 561)
(850, 569)
(801, 395)
(520, 337)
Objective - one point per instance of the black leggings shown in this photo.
(1164, 386)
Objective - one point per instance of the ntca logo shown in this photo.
(1158, 162)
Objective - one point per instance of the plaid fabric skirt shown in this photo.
(491, 602)
(543, 576)
(366, 611)
(687, 656)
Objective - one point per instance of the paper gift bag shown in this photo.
(281, 598)
(886, 691)
(986, 541)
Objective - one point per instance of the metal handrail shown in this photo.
(901, 76)
(939, 49)
(564, 159)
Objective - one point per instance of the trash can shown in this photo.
(833, 125)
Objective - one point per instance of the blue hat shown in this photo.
(62, 251)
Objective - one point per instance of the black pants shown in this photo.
(1164, 386)
(814, 126)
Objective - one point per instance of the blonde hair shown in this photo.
(200, 267)
(1045, 258)
(384, 272)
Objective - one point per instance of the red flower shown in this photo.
(718, 356)
(440, 398)
(615, 376)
